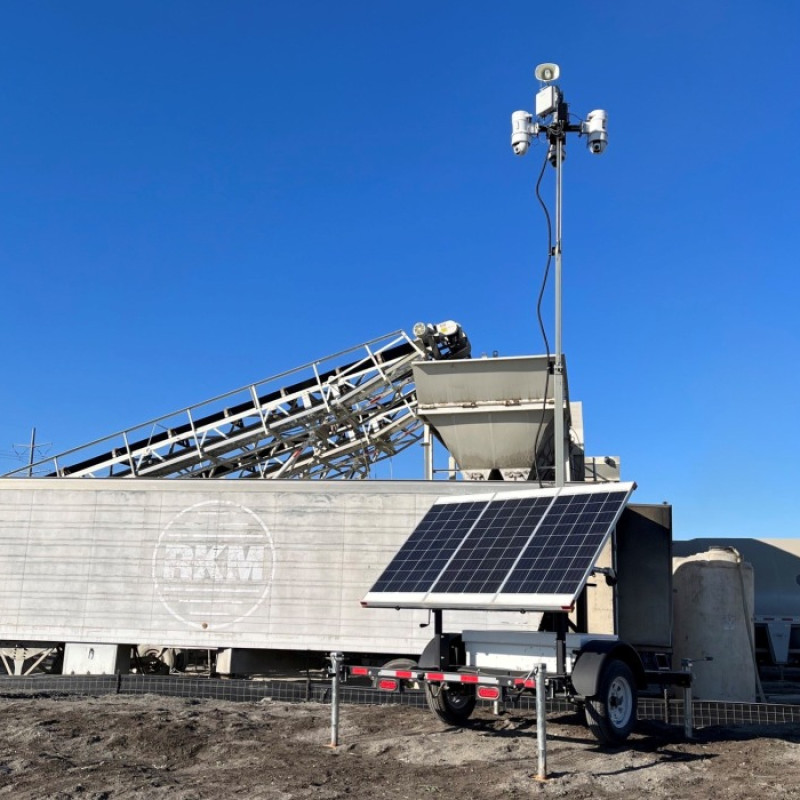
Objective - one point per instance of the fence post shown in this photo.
(688, 712)
(336, 668)
(541, 721)
(688, 703)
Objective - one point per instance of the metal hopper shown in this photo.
(492, 413)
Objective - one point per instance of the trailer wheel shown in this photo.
(451, 703)
(611, 713)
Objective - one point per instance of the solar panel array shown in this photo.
(531, 550)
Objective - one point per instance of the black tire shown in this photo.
(453, 704)
(400, 663)
(611, 713)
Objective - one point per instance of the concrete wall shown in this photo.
(209, 564)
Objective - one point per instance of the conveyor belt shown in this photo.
(331, 418)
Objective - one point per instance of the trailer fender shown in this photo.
(592, 660)
(442, 651)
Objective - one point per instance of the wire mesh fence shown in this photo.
(667, 710)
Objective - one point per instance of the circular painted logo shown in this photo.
(213, 564)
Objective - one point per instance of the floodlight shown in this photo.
(447, 328)
(421, 328)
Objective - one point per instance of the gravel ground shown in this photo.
(151, 746)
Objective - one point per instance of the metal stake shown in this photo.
(541, 721)
(688, 713)
(688, 707)
(336, 666)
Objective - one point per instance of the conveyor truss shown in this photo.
(332, 418)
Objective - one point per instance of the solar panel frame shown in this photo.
(545, 538)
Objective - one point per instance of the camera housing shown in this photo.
(596, 129)
(523, 129)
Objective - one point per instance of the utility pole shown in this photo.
(31, 451)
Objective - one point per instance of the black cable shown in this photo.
(546, 275)
(549, 255)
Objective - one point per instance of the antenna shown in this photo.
(552, 122)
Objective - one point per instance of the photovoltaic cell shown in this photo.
(492, 547)
(425, 553)
(530, 549)
(558, 559)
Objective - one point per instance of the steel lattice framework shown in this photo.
(332, 418)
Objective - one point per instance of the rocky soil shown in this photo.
(161, 747)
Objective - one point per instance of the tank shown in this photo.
(776, 570)
(713, 619)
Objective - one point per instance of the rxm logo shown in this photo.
(226, 563)
(213, 564)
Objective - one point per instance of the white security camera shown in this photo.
(523, 129)
(596, 129)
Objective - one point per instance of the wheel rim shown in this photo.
(620, 702)
(457, 701)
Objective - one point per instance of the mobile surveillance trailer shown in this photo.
(599, 673)
(594, 571)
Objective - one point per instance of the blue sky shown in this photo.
(197, 195)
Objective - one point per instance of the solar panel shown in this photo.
(532, 549)
(429, 548)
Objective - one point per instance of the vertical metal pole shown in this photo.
(427, 446)
(33, 448)
(688, 713)
(541, 721)
(558, 367)
(336, 666)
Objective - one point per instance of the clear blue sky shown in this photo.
(197, 195)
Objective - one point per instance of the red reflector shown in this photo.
(434, 676)
(488, 693)
(469, 679)
(359, 671)
(388, 684)
(403, 673)
(528, 683)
